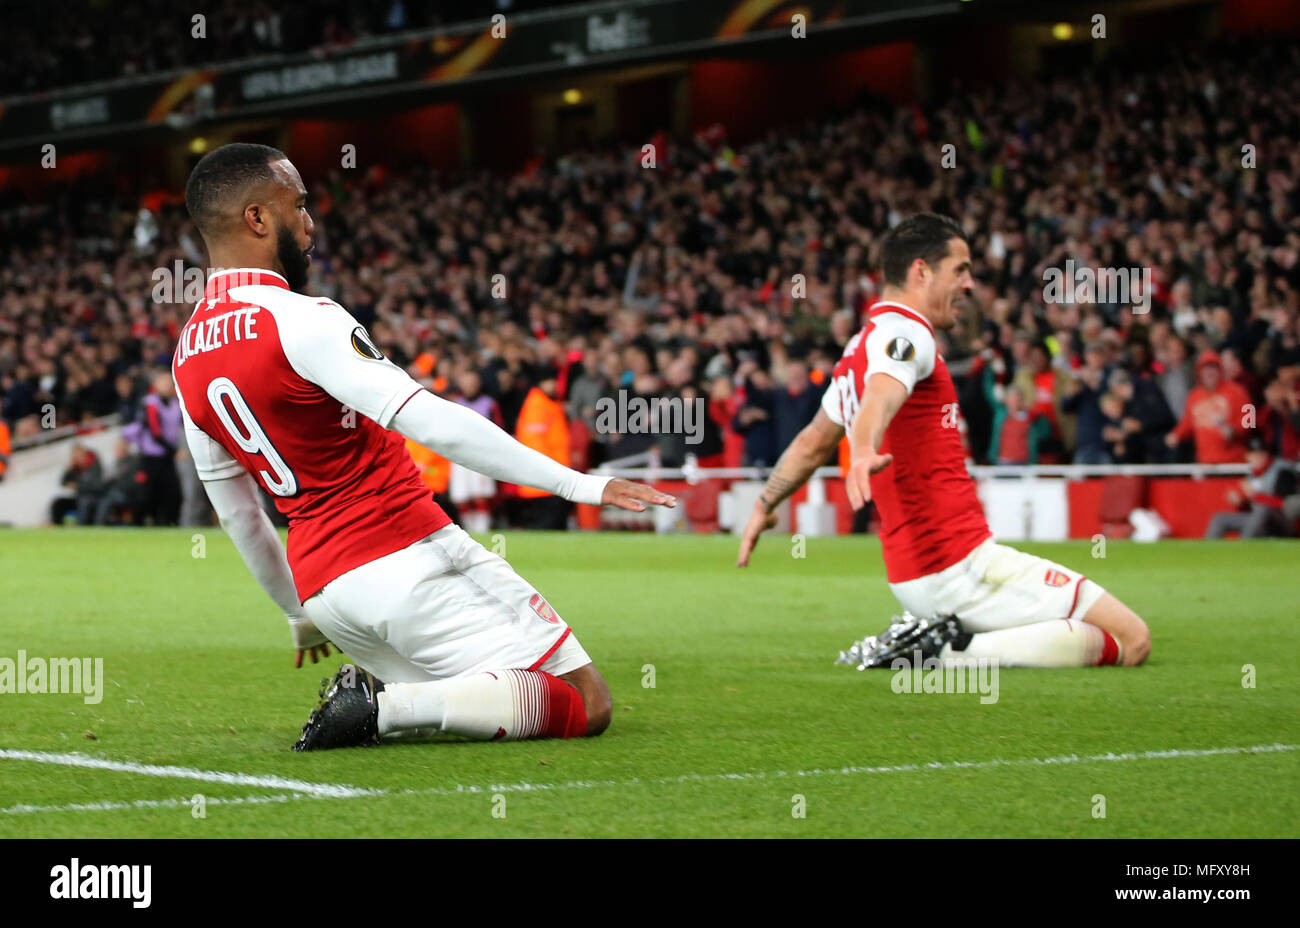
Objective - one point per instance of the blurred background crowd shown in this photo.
(734, 277)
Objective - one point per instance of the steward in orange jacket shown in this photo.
(435, 470)
(543, 428)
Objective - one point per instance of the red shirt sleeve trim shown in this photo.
(404, 402)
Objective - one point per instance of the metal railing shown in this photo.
(694, 474)
(46, 436)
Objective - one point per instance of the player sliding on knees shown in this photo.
(964, 595)
(289, 391)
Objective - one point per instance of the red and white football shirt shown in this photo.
(290, 389)
(930, 515)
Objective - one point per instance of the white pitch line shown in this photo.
(116, 806)
(324, 790)
(1059, 760)
(462, 789)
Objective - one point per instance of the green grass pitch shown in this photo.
(746, 715)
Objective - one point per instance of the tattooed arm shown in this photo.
(810, 449)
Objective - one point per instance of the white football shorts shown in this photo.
(999, 587)
(443, 607)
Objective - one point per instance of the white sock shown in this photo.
(1055, 643)
(407, 706)
(501, 705)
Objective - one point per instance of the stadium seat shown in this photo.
(702, 506)
(1119, 497)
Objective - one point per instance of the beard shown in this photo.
(293, 259)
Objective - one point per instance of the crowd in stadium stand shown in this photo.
(735, 276)
(47, 46)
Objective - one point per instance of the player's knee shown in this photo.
(600, 709)
(596, 700)
(1125, 626)
(1137, 644)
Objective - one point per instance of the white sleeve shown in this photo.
(328, 347)
(831, 403)
(463, 436)
(212, 461)
(239, 508)
(902, 348)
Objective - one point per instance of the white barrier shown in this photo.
(32, 480)
(1029, 503)
(978, 471)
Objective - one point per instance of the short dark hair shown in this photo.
(223, 174)
(924, 236)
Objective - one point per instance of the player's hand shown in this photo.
(759, 521)
(634, 496)
(322, 650)
(308, 640)
(858, 481)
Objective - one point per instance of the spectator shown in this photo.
(1145, 418)
(1282, 347)
(1176, 376)
(756, 419)
(19, 393)
(724, 403)
(470, 394)
(543, 428)
(126, 489)
(586, 389)
(1046, 387)
(1258, 506)
(1118, 446)
(709, 448)
(468, 492)
(1018, 431)
(1235, 372)
(1279, 420)
(1084, 401)
(84, 477)
(1215, 415)
(159, 437)
(794, 405)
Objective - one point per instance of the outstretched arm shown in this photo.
(885, 396)
(335, 353)
(462, 435)
(809, 450)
